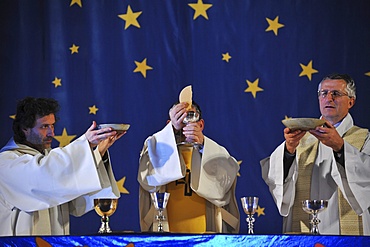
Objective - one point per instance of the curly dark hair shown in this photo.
(28, 110)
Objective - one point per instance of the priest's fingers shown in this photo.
(119, 135)
(329, 137)
(96, 136)
(177, 114)
(292, 139)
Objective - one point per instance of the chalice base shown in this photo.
(160, 218)
(250, 221)
(315, 225)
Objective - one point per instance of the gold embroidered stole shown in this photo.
(186, 210)
(350, 222)
(306, 151)
(41, 222)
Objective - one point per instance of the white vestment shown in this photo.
(214, 174)
(38, 192)
(327, 175)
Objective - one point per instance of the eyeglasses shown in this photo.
(334, 93)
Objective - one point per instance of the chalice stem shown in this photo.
(314, 223)
(104, 228)
(250, 221)
(160, 218)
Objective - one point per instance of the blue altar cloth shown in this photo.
(168, 239)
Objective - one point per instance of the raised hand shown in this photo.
(95, 136)
(193, 132)
(177, 114)
(108, 142)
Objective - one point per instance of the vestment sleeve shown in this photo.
(159, 161)
(282, 191)
(47, 181)
(85, 203)
(355, 180)
(213, 173)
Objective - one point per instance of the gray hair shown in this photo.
(350, 88)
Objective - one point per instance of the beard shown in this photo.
(39, 142)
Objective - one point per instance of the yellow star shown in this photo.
(260, 211)
(274, 25)
(368, 73)
(239, 162)
(226, 57)
(57, 82)
(78, 2)
(120, 186)
(307, 70)
(200, 9)
(64, 139)
(74, 48)
(130, 18)
(253, 88)
(12, 116)
(93, 109)
(142, 67)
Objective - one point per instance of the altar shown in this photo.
(168, 239)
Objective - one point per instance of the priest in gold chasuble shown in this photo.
(201, 179)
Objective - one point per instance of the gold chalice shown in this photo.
(105, 208)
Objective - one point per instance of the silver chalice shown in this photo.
(313, 207)
(250, 204)
(160, 200)
(191, 117)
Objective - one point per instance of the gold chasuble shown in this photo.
(350, 222)
(186, 210)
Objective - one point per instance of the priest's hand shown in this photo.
(329, 136)
(193, 132)
(95, 136)
(292, 139)
(108, 142)
(177, 114)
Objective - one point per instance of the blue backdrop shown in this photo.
(251, 64)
